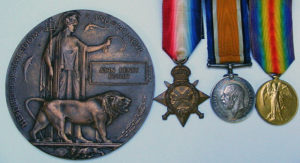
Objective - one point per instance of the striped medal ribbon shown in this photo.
(227, 32)
(182, 31)
(271, 32)
(182, 27)
(229, 47)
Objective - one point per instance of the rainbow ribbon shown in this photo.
(271, 32)
(182, 27)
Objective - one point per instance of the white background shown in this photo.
(207, 140)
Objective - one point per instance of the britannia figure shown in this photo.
(63, 67)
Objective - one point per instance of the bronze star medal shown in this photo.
(182, 98)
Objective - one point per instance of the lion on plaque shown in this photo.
(98, 112)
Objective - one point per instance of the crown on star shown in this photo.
(181, 73)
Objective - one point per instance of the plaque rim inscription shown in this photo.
(23, 59)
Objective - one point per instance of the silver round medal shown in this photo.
(232, 99)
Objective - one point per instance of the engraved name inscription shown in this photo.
(118, 73)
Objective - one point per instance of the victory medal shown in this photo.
(182, 31)
(228, 42)
(273, 49)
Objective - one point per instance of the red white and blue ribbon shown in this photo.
(182, 27)
(227, 31)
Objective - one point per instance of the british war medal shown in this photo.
(273, 49)
(228, 41)
(182, 31)
(80, 84)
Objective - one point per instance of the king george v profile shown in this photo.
(233, 101)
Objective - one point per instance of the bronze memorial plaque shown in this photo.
(80, 84)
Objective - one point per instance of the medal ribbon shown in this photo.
(272, 34)
(182, 27)
(227, 31)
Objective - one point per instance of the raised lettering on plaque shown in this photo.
(80, 84)
(118, 73)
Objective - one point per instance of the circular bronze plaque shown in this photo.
(80, 84)
(276, 102)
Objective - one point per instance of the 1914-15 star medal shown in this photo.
(182, 98)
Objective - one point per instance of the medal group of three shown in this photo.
(234, 28)
(81, 83)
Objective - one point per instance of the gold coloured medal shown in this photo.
(271, 32)
(277, 101)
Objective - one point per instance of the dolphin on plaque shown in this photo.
(80, 84)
